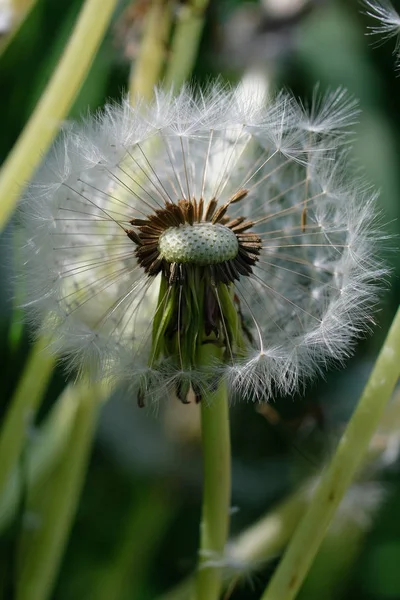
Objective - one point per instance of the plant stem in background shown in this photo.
(216, 484)
(266, 538)
(147, 67)
(55, 102)
(42, 452)
(16, 326)
(23, 406)
(185, 43)
(20, 10)
(331, 572)
(143, 530)
(55, 503)
(308, 536)
(258, 544)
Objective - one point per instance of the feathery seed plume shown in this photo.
(220, 218)
(388, 23)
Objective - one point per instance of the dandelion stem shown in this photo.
(146, 69)
(54, 103)
(24, 403)
(56, 501)
(217, 484)
(309, 534)
(185, 43)
(261, 542)
(264, 540)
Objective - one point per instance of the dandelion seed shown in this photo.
(389, 23)
(219, 218)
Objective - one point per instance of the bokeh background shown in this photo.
(136, 530)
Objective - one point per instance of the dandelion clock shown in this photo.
(219, 224)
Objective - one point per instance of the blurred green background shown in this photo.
(136, 531)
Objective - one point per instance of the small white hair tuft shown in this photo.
(388, 25)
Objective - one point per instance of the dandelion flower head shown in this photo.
(220, 219)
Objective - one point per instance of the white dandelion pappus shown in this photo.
(388, 23)
(217, 218)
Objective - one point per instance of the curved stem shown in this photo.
(266, 538)
(216, 487)
(54, 103)
(24, 403)
(43, 451)
(56, 501)
(142, 533)
(262, 541)
(146, 69)
(308, 536)
(185, 43)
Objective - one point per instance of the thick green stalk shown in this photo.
(143, 530)
(54, 103)
(24, 403)
(308, 536)
(214, 524)
(331, 572)
(147, 67)
(185, 43)
(261, 542)
(56, 501)
(42, 452)
(267, 537)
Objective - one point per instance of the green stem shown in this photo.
(185, 43)
(16, 326)
(147, 67)
(20, 11)
(43, 452)
(24, 403)
(331, 571)
(217, 484)
(143, 530)
(54, 103)
(261, 542)
(56, 501)
(308, 536)
(265, 539)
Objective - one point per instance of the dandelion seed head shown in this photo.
(219, 217)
